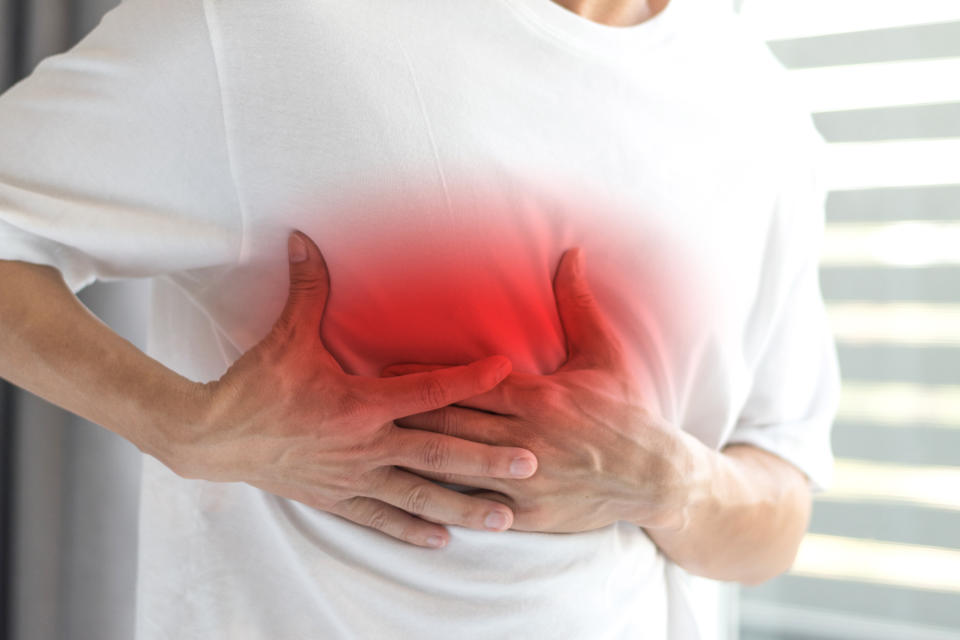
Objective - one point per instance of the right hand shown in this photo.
(287, 419)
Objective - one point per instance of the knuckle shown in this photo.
(435, 454)
(433, 392)
(372, 483)
(305, 285)
(417, 499)
(489, 463)
(580, 298)
(545, 395)
(381, 450)
(340, 482)
(377, 518)
(446, 423)
(511, 394)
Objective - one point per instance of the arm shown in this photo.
(738, 515)
(53, 346)
(284, 417)
(746, 522)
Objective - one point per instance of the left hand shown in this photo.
(602, 457)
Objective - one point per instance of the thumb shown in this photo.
(590, 340)
(309, 285)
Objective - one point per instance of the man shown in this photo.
(547, 340)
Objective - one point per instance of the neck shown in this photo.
(617, 13)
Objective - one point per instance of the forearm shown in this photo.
(52, 346)
(746, 521)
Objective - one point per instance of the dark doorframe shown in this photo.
(6, 504)
(13, 39)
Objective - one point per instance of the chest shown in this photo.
(443, 183)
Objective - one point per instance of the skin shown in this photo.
(284, 417)
(735, 515)
(617, 13)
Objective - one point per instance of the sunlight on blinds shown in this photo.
(903, 565)
(895, 323)
(925, 485)
(908, 243)
(900, 404)
(889, 163)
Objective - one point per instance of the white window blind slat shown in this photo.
(784, 19)
(893, 163)
(878, 84)
(906, 243)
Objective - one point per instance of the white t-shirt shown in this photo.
(442, 155)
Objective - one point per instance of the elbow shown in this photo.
(760, 573)
(750, 572)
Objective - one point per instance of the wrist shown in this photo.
(173, 417)
(695, 495)
(707, 471)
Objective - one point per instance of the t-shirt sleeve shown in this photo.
(793, 400)
(113, 155)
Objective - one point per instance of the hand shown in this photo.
(602, 457)
(287, 419)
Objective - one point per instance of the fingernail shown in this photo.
(435, 541)
(495, 521)
(297, 248)
(522, 467)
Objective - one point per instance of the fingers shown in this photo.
(392, 521)
(309, 287)
(500, 399)
(369, 513)
(475, 484)
(426, 451)
(459, 422)
(521, 519)
(406, 395)
(517, 394)
(425, 498)
(590, 340)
